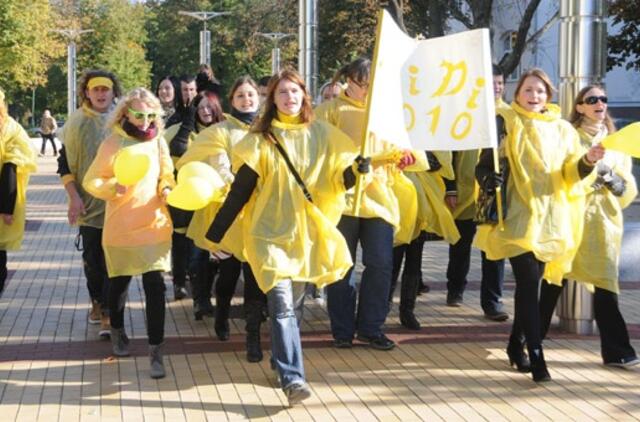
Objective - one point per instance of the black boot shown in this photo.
(517, 356)
(538, 365)
(201, 283)
(223, 305)
(408, 292)
(254, 318)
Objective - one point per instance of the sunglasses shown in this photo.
(594, 99)
(141, 115)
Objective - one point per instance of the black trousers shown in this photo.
(412, 255)
(614, 337)
(181, 250)
(154, 289)
(527, 271)
(51, 138)
(3, 270)
(228, 273)
(95, 268)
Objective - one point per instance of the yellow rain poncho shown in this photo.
(81, 135)
(286, 236)
(15, 148)
(543, 153)
(466, 188)
(214, 146)
(433, 214)
(137, 228)
(596, 261)
(378, 198)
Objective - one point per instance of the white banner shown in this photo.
(434, 94)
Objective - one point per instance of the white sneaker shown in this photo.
(297, 393)
(624, 362)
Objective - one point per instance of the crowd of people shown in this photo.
(288, 222)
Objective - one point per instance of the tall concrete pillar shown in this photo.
(308, 44)
(583, 54)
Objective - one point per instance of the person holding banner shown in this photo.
(373, 225)
(545, 161)
(17, 161)
(608, 191)
(461, 200)
(292, 175)
(215, 146)
(137, 227)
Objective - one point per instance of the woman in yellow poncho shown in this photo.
(17, 160)
(215, 146)
(609, 190)
(545, 160)
(137, 228)
(374, 224)
(288, 239)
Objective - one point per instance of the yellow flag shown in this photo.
(625, 140)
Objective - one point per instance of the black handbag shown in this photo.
(487, 204)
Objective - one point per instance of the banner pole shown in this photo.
(365, 132)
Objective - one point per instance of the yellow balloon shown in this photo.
(130, 167)
(202, 170)
(191, 194)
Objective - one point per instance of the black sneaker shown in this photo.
(624, 362)
(380, 342)
(454, 301)
(498, 316)
(179, 292)
(342, 343)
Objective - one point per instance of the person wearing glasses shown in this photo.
(610, 189)
(17, 161)
(137, 227)
(365, 309)
(545, 161)
(81, 136)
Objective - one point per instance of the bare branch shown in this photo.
(457, 13)
(510, 62)
(533, 38)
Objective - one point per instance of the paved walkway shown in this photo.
(53, 367)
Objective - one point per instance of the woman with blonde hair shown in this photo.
(292, 173)
(137, 228)
(610, 189)
(17, 160)
(544, 161)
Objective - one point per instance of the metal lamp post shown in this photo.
(205, 36)
(72, 35)
(275, 37)
(308, 44)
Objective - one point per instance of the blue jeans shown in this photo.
(376, 237)
(458, 268)
(286, 347)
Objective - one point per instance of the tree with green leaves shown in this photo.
(624, 46)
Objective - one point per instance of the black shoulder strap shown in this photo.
(293, 171)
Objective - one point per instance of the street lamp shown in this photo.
(71, 35)
(205, 36)
(275, 37)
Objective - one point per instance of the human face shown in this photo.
(141, 115)
(166, 93)
(330, 92)
(532, 95)
(498, 86)
(245, 99)
(357, 90)
(288, 97)
(188, 90)
(100, 98)
(596, 111)
(205, 113)
(262, 92)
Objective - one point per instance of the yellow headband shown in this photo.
(99, 81)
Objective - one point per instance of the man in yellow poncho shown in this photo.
(17, 160)
(81, 136)
(461, 200)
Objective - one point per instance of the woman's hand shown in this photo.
(121, 189)
(7, 219)
(407, 160)
(595, 153)
(76, 208)
(164, 195)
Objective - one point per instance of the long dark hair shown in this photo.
(263, 124)
(358, 71)
(246, 79)
(576, 117)
(176, 89)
